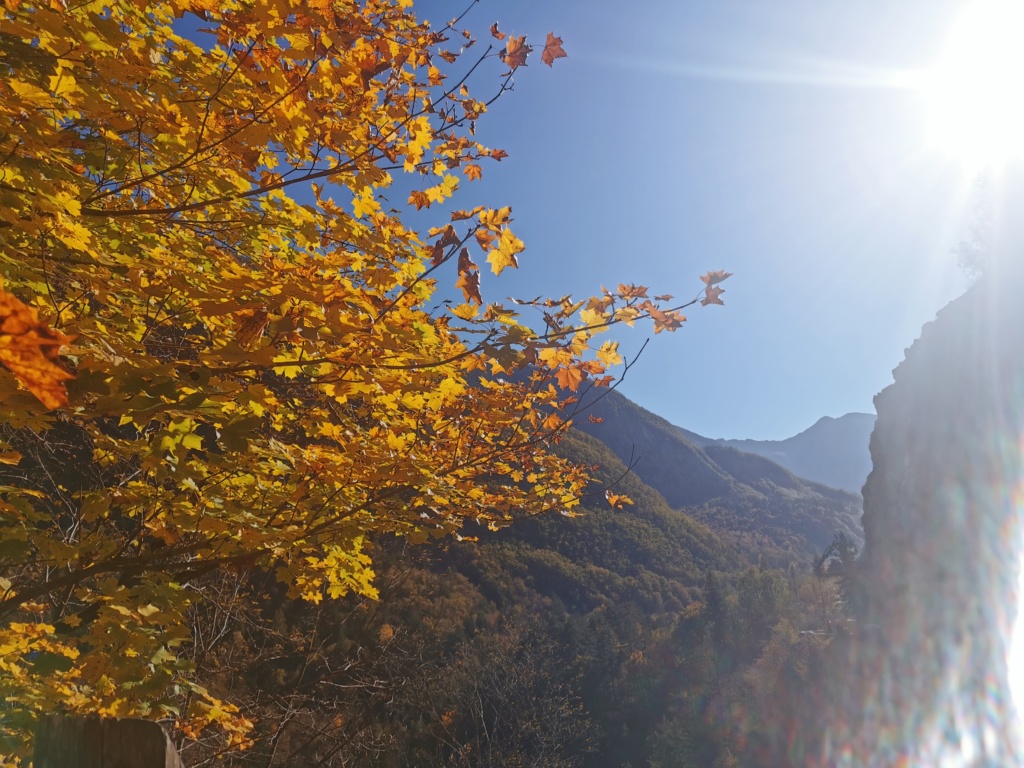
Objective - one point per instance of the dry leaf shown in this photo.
(552, 49)
(516, 51)
(712, 278)
(711, 296)
(250, 326)
(30, 350)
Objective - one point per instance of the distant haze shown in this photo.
(833, 452)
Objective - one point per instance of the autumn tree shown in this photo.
(222, 349)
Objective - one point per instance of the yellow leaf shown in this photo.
(62, 84)
(609, 353)
(444, 190)
(505, 256)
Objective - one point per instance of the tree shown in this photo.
(222, 349)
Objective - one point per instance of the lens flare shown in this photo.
(975, 94)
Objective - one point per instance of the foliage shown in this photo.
(191, 200)
(610, 638)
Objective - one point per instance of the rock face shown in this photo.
(942, 522)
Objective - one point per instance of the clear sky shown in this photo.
(777, 140)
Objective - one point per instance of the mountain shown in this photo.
(647, 636)
(736, 493)
(833, 451)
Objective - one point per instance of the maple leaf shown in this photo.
(516, 51)
(495, 33)
(711, 295)
(500, 261)
(469, 284)
(30, 350)
(250, 326)
(609, 353)
(505, 256)
(469, 278)
(552, 49)
(570, 377)
(473, 172)
(448, 238)
(440, 192)
(466, 263)
(485, 239)
(715, 277)
(419, 199)
(495, 217)
(617, 500)
(497, 154)
(633, 291)
(664, 321)
(463, 215)
(596, 419)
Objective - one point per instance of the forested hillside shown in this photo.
(616, 637)
(744, 494)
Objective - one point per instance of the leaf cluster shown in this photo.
(232, 348)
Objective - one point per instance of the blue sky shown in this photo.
(771, 139)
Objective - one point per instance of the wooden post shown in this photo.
(91, 742)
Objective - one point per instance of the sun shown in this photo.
(975, 94)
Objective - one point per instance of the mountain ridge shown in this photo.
(832, 451)
(734, 492)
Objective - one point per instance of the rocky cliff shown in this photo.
(942, 508)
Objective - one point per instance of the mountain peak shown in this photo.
(832, 451)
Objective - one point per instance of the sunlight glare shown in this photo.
(975, 94)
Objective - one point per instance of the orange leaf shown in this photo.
(516, 51)
(485, 239)
(553, 422)
(473, 172)
(552, 49)
(711, 295)
(463, 215)
(664, 321)
(495, 33)
(616, 500)
(570, 378)
(596, 419)
(712, 278)
(419, 199)
(633, 291)
(30, 350)
(10, 457)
